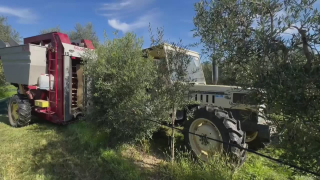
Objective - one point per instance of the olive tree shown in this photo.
(84, 32)
(173, 81)
(119, 77)
(80, 32)
(271, 47)
(54, 29)
(226, 74)
(207, 71)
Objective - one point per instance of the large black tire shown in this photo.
(228, 127)
(23, 111)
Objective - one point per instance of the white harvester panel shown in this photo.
(23, 64)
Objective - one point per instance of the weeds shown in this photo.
(47, 151)
(186, 168)
(80, 151)
(218, 168)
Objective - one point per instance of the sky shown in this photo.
(29, 17)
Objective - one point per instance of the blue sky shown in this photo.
(28, 17)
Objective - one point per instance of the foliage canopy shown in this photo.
(271, 46)
(80, 32)
(119, 76)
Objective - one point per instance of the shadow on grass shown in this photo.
(160, 143)
(4, 106)
(66, 156)
(76, 151)
(72, 151)
(4, 119)
(4, 111)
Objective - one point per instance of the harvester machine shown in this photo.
(48, 73)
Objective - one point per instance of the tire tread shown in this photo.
(232, 128)
(24, 110)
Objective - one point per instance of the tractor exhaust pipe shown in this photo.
(215, 72)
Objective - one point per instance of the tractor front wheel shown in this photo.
(19, 111)
(254, 141)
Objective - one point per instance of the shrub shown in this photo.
(119, 76)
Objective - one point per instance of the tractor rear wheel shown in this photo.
(19, 111)
(215, 123)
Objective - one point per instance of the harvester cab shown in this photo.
(47, 70)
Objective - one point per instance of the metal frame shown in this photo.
(67, 88)
(59, 62)
(55, 112)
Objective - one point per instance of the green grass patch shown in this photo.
(48, 151)
(119, 167)
(186, 169)
(80, 151)
(88, 134)
(255, 168)
(7, 91)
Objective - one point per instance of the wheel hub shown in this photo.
(202, 145)
(204, 139)
(14, 111)
(251, 136)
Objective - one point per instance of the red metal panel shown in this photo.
(59, 77)
(64, 38)
(43, 114)
(87, 43)
(32, 87)
(47, 38)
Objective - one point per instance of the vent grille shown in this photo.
(205, 98)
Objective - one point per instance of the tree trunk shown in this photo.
(305, 47)
(173, 118)
(215, 73)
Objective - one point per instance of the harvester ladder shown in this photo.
(53, 64)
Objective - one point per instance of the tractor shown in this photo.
(48, 73)
(221, 113)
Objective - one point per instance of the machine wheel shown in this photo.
(214, 123)
(254, 141)
(19, 111)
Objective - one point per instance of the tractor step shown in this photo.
(41, 103)
(44, 111)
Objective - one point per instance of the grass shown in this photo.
(47, 151)
(255, 167)
(44, 151)
(7, 91)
